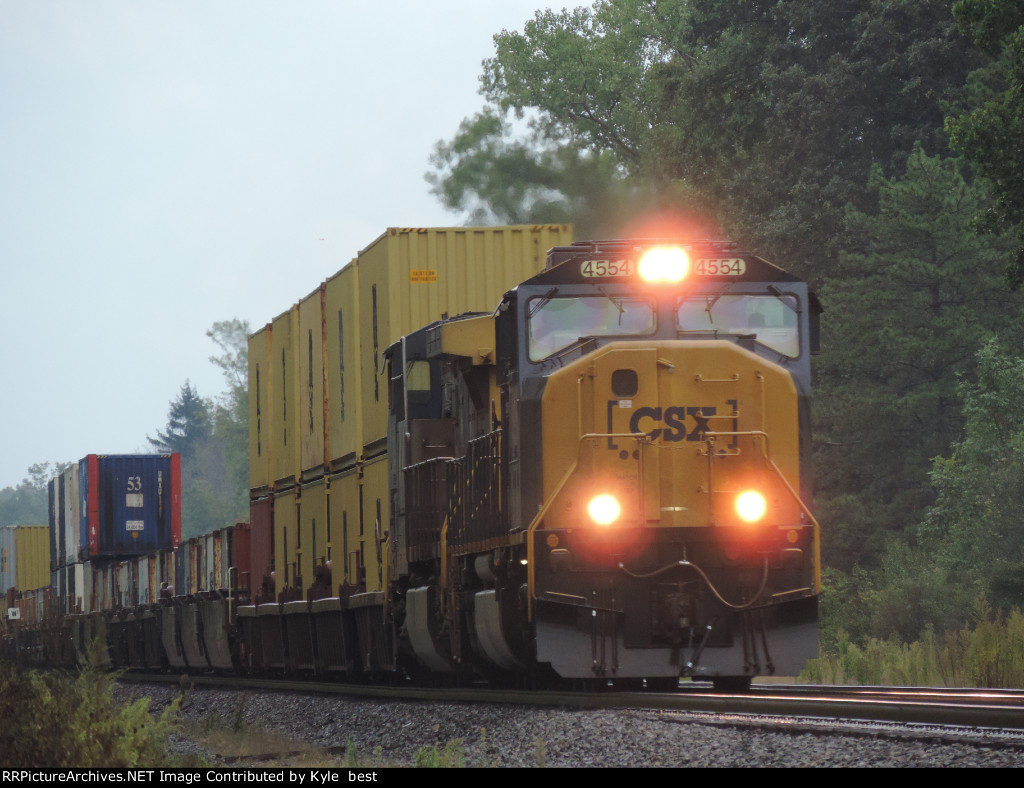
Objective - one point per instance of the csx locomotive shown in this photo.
(605, 479)
(608, 475)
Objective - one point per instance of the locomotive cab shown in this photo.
(672, 535)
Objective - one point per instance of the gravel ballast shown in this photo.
(392, 732)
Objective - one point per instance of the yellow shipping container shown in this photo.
(408, 278)
(346, 536)
(376, 516)
(312, 402)
(341, 368)
(261, 403)
(312, 532)
(24, 557)
(286, 519)
(285, 441)
(301, 534)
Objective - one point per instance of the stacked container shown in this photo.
(71, 549)
(319, 396)
(261, 401)
(106, 513)
(131, 503)
(24, 557)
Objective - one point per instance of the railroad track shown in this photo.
(996, 709)
(1000, 709)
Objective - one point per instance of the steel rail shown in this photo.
(996, 709)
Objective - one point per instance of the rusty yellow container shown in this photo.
(285, 439)
(261, 406)
(24, 557)
(408, 278)
(312, 532)
(312, 402)
(346, 535)
(286, 519)
(341, 368)
(376, 520)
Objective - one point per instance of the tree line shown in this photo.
(211, 434)
(874, 147)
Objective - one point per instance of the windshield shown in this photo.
(771, 319)
(557, 323)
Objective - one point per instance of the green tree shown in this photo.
(973, 530)
(190, 432)
(231, 417)
(766, 115)
(914, 299)
(785, 107)
(213, 439)
(964, 561)
(494, 177)
(232, 337)
(991, 135)
(188, 424)
(29, 502)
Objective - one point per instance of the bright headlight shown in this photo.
(751, 506)
(668, 264)
(604, 509)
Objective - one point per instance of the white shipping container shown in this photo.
(127, 583)
(83, 600)
(143, 575)
(72, 520)
(104, 577)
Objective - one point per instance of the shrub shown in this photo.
(990, 654)
(53, 719)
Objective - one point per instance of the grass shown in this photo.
(991, 654)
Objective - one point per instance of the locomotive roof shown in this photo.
(565, 262)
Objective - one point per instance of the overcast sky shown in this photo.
(168, 164)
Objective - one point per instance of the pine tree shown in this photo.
(991, 136)
(916, 298)
(188, 424)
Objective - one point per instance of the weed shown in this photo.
(452, 756)
(55, 719)
(240, 703)
(483, 746)
(989, 655)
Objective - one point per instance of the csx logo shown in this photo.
(679, 422)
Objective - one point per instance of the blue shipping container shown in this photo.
(133, 503)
